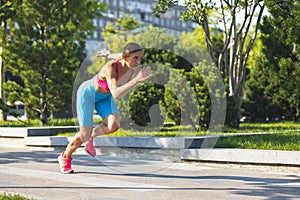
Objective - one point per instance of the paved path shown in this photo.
(35, 173)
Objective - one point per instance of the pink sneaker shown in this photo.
(89, 147)
(65, 164)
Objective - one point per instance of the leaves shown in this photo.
(274, 80)
(45, 49)
(163, 6)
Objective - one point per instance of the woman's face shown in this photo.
(134, 59)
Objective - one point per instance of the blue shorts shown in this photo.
(88, 100)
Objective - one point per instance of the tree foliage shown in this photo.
(123, 27)
(274, 82)
(45, 49)
(6, 13)
(234, 51)
(159, 55)
(176, 90)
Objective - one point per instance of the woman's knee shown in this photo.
(113, 126)
(112, 123)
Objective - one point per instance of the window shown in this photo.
(101, 37)
(151, 18)
(155, 20)
(167, 23)
(95, 22)
(143, 16)
(101, 23)
(172, 23)
(95, 34)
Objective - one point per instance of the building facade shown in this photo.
(141, 10)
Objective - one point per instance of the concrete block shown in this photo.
(243, 156)
(140, 142)
(48, 131)
(41, 141)
(15, 132)
(21, 132)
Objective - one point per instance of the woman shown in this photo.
(112, 82)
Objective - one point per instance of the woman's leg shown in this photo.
(110, 124)
(84, 107)
(65, 158)
(83, 135)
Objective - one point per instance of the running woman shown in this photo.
(115, 79)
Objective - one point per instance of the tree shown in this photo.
(6, 13)
(234, 53)
(258, 105)
(274, 80)
(45, 48)
(123, 26)
(285, 27)
(115, 35)
(172, 61)
(158, 53)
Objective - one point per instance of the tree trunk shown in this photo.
(236, 122)
(43, 101)
(1, 84)
(44, 118)
(3, 115)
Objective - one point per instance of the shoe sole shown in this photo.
(63, 172)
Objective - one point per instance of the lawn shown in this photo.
(289, 140)
(6, 196)
(277, 136)
(281, 136)
(37, 123)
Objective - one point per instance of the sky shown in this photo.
(181, 2)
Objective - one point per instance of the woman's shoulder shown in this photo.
(112, 63)
(108, 67)
(111, 67)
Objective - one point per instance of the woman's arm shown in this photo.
(118, 92)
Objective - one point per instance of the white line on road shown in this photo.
(77, 179)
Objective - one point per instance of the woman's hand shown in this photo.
(103, 53)
(143, 74)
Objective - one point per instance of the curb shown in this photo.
(246, 156)
(129, 142)
(174, 149)
(22, 132)
(153, 148)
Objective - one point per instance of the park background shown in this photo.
(257, 55)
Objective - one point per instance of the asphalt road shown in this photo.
(34, 172)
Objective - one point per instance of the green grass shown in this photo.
(170, 130)
(6, 196)
(289, 140)
(37, 123)
(264, 127)
(282, 135)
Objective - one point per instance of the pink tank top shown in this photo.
(103, 83)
